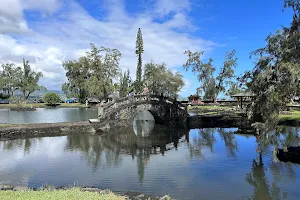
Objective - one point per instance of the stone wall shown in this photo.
(52, 129)
(222, 121)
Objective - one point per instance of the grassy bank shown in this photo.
(73, 193)
(42, 105)
(293, 115)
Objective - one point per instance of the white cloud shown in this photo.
(11, 17)
(186, 87)
(49, 6)
(55, 40)
(164, 7)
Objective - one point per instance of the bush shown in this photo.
(17, 100)
(52, 98)
(4, 96)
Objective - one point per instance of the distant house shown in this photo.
(195, 99)
(243, 96)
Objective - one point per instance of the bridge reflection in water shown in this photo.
(212, 163)
(143, 123)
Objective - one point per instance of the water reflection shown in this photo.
(25, 144)
(47, 115)
(280, 172)
(204, 163)
(143, 128)
(112, 145)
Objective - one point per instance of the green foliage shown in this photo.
(125, 84)
(29, 80)
(24, 79)
(235, 88)
(275, 77)
(17, 100)
(139, 49)
(211, 85)
(92, 75)
(161, 80)
(9, 78)
(52, 98)
(73, 193)
(4, 96)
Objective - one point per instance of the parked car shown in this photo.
(4, 101)
(72, 100)
(40, 101)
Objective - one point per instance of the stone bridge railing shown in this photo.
(115, 104)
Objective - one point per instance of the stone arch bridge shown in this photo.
(165, 110)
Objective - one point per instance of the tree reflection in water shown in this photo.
(206, 139)
(228, 136)
(281, 172)
(26, 144)
(106, 149)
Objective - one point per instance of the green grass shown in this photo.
(8, 125)
(42, 105)
(69, 105)
(293, 115)
(210, 107)
(71, 194)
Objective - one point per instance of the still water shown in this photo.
(211, 163)
(47, 115)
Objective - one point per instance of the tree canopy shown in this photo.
(125, 84)
(161, 80)
(24, 80)
(92, 75)
(51, 98)
(210, 84)
(275, 77)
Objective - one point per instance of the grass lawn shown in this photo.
(42, 105)
(293, 115)
(8, 125)
(71, 194)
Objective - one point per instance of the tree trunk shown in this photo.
(215, 99)
(24, 95)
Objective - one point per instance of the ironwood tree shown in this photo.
(211, 85)
(92, 75)
(275, 77)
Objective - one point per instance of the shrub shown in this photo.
(17, 100)
(52, 98)
(4, 96)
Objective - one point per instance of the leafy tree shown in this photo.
(234, 88)
(52, 98)
(125, 84)
(28, 80)
(275, 77)
(139, 49)
(211, 85)
(92, 75)
(9, 78)
(161, 80)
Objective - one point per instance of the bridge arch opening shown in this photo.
(143, 123)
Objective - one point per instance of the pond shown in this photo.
(47, 115)
(208, 163)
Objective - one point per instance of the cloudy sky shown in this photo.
(48, 32)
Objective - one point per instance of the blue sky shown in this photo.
(48, 32)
